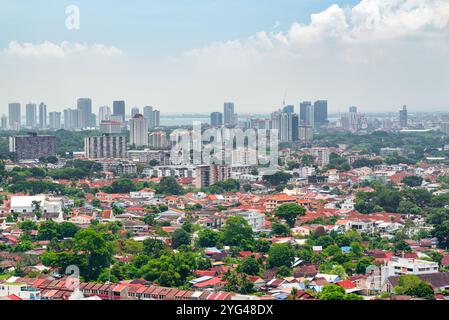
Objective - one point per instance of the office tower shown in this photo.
(85, 106)
(305, 133)
(353, 109)
(216, 119)
(158, 140)
(294, 136)
(403, 117)
(14, 116)
(156, 118)
(105, 147)
(4, 124)
(289, 109)
(32, 146)
(306, 113)
(73, 119)
(134, 111)
(320, 113)
(42, 116)
(138, 131)
(207, 175)
(118, 109)
(286, 124)
(148, 114)
(30, 110)
(104, 114)
(229, 115)
(55, 120)
(110, 127)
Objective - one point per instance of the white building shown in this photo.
(48, 205)
(399, 266)
(21, 290)
(139, 131)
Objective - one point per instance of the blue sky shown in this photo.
(152, 26)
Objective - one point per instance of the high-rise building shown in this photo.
(148, 114)
(105, 147)
(30, 110)
(55, 120)
(138, 131)
(353, 109)
(306, 113)
(14, 116)
(322, 156)
(110, 127)
(287, 125)
(42, 116)
(216, 119)
(229, 114)
(73, 119)
(85, 106)
(134, 111)
(305, 133)
(320, 113)
(32, 146)
(104, 114)
(289, 109)
(118, 109)
(158, 140)
(156, 119)
(207, 175)
(4, 122)
(403, 117)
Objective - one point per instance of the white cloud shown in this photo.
(49, 49)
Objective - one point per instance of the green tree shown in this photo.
(250, 266)
(281, 254)
(180, 237)
(237, 232)
(169, 185)
(208, 238)
(332, 292)
(412, 181)
(289, 212)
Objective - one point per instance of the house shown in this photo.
(438, 281)
(81, 219)
(277, 200)
(21, 290)
(51, 207)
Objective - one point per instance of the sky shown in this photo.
(187, 56)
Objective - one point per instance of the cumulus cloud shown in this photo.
(49, 49)
(378, 53)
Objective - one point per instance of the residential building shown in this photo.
(138, 131)
(42, 116)
(105, 147)
(14, 117)
(32, 146)
(30, 109)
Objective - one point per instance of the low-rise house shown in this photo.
(400, 266)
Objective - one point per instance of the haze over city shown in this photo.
(191, 57)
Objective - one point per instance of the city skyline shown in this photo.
(349, 52)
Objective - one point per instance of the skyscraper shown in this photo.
(306, 113)
(134, 111)
(30, 109)
(216, 119)
(4, 122)
(229, 115)
(55, 120)
(85, 106)
(148, 114)
(14, 116)
(73, 119)
(42, 116)
(118, 109)
(403, 117)
(353, 109)
(156, 118)
(287, 125)
(320, 112)
(104, 114)
(289, 109)
(138, 132)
